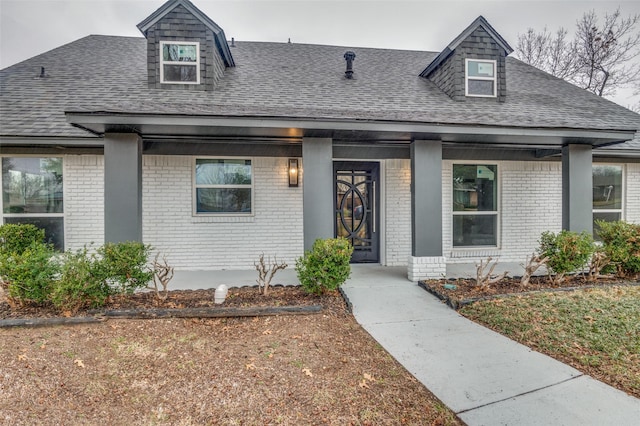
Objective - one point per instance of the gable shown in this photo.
(180, 26)
(479, 41)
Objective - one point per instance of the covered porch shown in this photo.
(319, 144)
(195, 280)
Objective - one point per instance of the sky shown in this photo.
(31, 27)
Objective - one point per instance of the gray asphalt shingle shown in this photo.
(107, 73)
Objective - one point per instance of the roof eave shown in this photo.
(102, 122)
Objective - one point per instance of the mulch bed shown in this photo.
(240, 301)
(457, 293)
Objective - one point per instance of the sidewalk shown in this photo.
(486, 378)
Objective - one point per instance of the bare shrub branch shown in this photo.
(532, 265)
(162, 274)
(483, 279)
(266, 271)
(599, 261)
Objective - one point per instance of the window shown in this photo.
(180, 62)
(475, 205)
(223, 186)
(607, 194)
(32, 193)
(480, 78)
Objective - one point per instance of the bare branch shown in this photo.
(266, 271)
(599, 58)
(532, 265)
(162, 274)
(483, 279)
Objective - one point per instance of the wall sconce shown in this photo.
(293, 172)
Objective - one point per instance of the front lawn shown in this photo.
(597, 330)
(321, 369)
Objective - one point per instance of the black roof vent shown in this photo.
(43, 73)
(349, 56)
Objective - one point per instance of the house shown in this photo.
(215, 151)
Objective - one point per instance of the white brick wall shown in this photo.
(422, 268)
(220, 242)
(530, 195)
(397, 211)
(632, 206)
(83, 200)
(531, 203)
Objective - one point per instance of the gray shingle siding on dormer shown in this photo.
(449, 76)
(181, 25)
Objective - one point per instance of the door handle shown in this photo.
(373, 207)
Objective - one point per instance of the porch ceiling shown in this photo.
(162, 127)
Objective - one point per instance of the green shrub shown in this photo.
(124, 266)
(81, 283)
(567, 251)
(17, 237)
(29, 275)
(621, 243)
(326, 267)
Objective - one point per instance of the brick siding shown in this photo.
(214, 242)
(83, 200)
(632, 206)
(530, 203)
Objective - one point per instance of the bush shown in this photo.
(17, 237)
(621, 244)
(123, 266)
(81, 283)
(29, 275)
(326, 267)
(567, 251)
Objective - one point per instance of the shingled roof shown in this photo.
(284, 80)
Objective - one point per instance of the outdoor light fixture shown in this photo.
(293, 172)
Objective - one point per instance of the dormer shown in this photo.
(185, 49)
(472, 66)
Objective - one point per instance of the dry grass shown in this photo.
(289, 370)
(595, 330)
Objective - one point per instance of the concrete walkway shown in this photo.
(486, 378)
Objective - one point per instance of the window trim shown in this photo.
(497, 213)
(194, 186)
(623, 189)
(467, 78)
(163, 62)
(37, 215)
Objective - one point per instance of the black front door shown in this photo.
(357, 191)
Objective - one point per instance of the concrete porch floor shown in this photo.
(203, 279)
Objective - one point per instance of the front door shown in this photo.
(357, 191)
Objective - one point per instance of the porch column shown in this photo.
(122, 187)
(577, 183)
(317, 189)
(426, 260)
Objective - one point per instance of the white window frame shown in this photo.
(4, 215)
(623, 188)
(467, 78)
(195, 187)
(163, 62)
(496, 213)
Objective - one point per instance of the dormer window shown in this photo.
(480, 78)
(180, 62)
